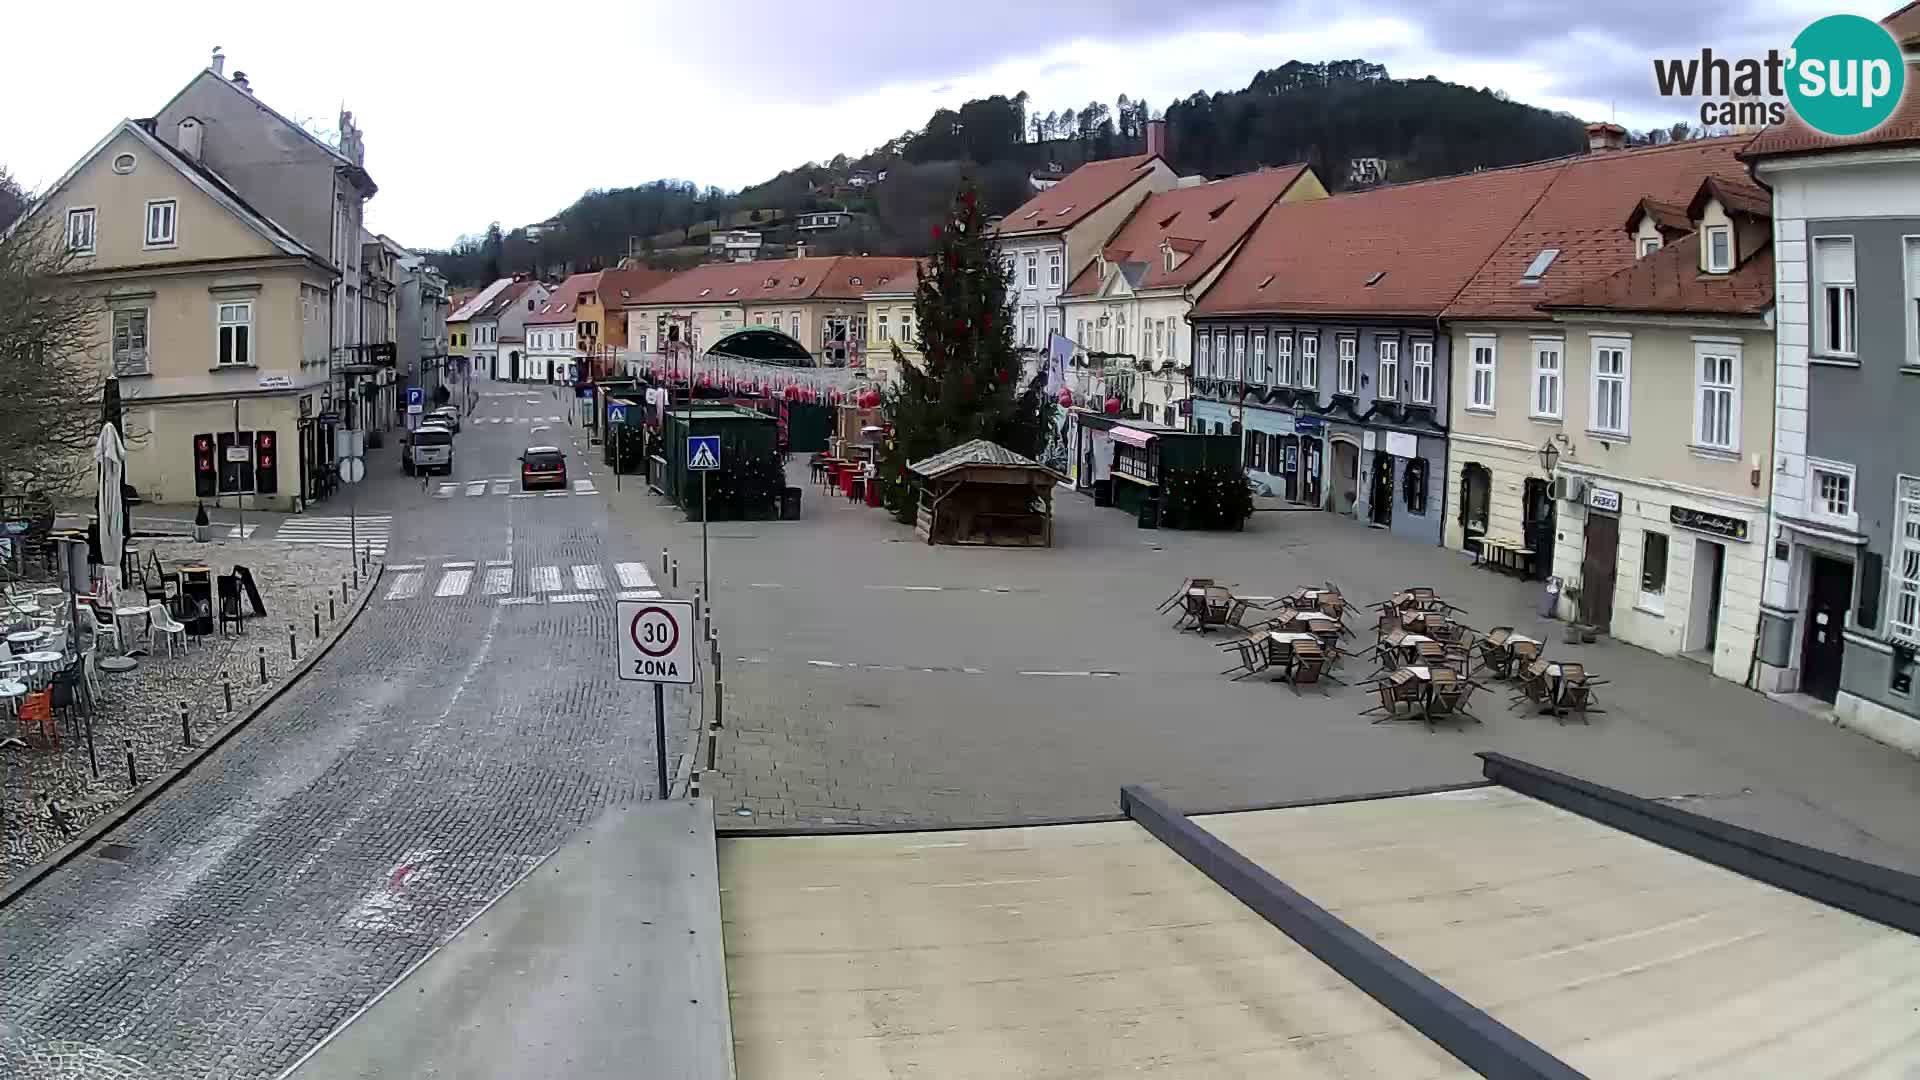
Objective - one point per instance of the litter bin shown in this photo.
(1550, 598)
(1150, 509)
(790, 504)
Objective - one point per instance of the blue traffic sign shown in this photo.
(416, 399)
(703, 453)
(616, 414)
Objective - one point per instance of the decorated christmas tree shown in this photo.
(968, 384)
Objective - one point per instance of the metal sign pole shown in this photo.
(706, 580)
(660, 737)
(616, 457)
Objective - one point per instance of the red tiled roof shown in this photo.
(1084, 190)
(1904, 25)
(1203, 222)
(1666, 216)
(561, 305)
(503, 300)
(620, 288)
(823, 277)
(1795, 137)
(1734, 199)
(1580, 216)
(1670, 282)
(1315, 257)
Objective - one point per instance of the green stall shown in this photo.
(1179, 479)
(750, 480)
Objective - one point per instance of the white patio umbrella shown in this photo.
(110, 454)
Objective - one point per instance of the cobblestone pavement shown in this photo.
(140, 710)
(872, 679)
(433, 756)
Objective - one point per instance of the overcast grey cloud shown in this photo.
(491, 111)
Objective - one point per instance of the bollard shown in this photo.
(263, 665)
(133, 776)
(676, 573)
(186, 727)
(293, 643)
(696, 603)
(343, 592)
(226, 691)
(663, 560)
(316, 620)
(331, 614)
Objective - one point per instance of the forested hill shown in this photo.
(1326, 114)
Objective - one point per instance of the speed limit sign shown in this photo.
(656, 640)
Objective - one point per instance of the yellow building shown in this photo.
(890, 325)
(213, 318)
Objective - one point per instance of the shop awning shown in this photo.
(1132, 436)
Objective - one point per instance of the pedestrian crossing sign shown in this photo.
(703, 452)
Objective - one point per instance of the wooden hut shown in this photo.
(983, 493)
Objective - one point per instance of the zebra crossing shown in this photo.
(515, 419)
(499, 582)
(370, 531)
(504, 485)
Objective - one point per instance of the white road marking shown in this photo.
(446, 491)
(555, 494)
(512, 600)
(499, 562)
(907, 588)
(763, 585)
(405, 586)
(546, 579)
(588, 576)
(633, 575)
(454, 583)
(823, 663)
(583, 487)
(457, 565)
(500, 486)
(555, 419)
(235, 534)
(640, 594)
(476, 487)
(571, 598)
(523, 495)
(499, 581)
(406, 566)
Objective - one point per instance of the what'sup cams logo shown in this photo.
(1843, 76)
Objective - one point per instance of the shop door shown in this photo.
(1537, 524)
(1829, 590)
(1381, 512)
(1289, 465)
(1310, 471)
(1346, 477)
(1597, 570)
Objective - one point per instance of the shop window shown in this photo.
(1476, 490)
(1414, 484)
(1653, 573)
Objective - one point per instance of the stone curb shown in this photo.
(152, 788)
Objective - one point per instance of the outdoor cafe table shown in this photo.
(11, 692)
(26, 637)
(43, 660)
(130, 611)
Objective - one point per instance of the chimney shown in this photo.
(1606, 137)
(188, 142)
(799, 249)
(219, 64)
(1157, 138)
(240, 80)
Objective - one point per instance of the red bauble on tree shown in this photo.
(1113, 406)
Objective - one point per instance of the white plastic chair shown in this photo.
(159, 622)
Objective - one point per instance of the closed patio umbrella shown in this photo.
(110, 454)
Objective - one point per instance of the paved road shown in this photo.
(445, 744)
(874, 679)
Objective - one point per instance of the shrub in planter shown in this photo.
(1206, 497)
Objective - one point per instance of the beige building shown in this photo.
(1649, 393)
(890, 325)
(213, 318)
(819, 302)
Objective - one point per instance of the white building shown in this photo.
(1133, 298)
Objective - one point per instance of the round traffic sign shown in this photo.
(654, 631)
(353, 470)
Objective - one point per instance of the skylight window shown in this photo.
(1214, 214)
(1375, 278)
(735, 291)
(1266, 281)
(1033, 214)
(1167, 222)
(1067, 209)
(1538, 267)
(704, 292)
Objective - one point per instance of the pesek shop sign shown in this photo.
(1843, 76)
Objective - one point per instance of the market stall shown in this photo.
(983, 493)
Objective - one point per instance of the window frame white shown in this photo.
(90, 215)
(1386, 372)
(1654, 601)
(1648, 245)
(1596, 377)
(1717, 233)
(1310, 360)
(1423, 371)
(1476, 344)
(1904, 587)
(1346, 349)
(222, 325)
(1222, 355)
(1052, 323)
(1814, 505)
(1910, 267)
(1203, 354)
(1847, 347)
(1728, 353)
(1283, 370)
(906, 326)
(1260, 372)
(172, 237)
(1054, 266)
(124, 368)
(1548, 378)
(882, 332)
(1033, 269)
(1237, 366)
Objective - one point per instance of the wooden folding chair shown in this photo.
(1533, 686)
(1250, 648)
(1309, 668)
(1450, 695)
(1180, 595)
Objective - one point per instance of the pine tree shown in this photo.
(968, 385)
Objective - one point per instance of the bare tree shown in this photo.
(50, 377)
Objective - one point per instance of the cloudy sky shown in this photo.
(478, 112)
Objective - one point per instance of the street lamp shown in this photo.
(1549, 456)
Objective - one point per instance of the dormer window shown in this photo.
(1375, 278)
(735, 291)
(704, 292)
(1266, 281)
(771, 282)
(1068, 209)
(854, 280)
(796, 282)
(1649, 245)
(1719, 248)
(1166, 254)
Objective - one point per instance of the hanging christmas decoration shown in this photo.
(1066, 399)
(1113, 406)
